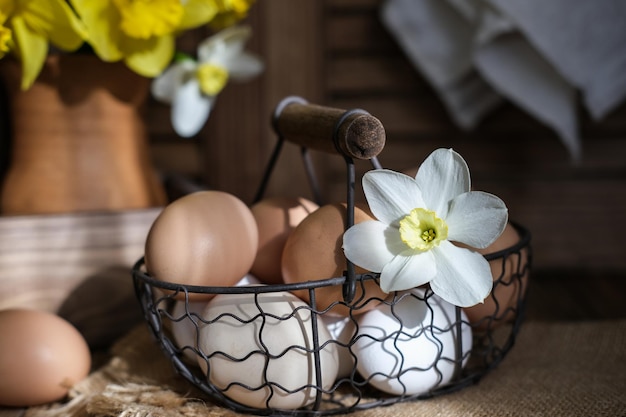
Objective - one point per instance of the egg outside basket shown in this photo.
(352, 134)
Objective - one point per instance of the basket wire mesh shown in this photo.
(492, 336)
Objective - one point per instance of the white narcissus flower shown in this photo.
(410, 243)
(191, 87)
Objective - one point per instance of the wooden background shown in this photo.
(337, 53)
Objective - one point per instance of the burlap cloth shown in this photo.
(555, 369)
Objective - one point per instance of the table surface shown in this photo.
(574, 369)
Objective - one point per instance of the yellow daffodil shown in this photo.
(141, 32)
(29, 27)
(410, 243)
(5, 34)
(230, 12)
(191, 86)
(5, 40)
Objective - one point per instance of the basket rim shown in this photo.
(142, 275)
(139, 273)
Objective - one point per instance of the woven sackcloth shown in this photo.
(555, 369)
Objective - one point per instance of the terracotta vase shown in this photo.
(78, 140)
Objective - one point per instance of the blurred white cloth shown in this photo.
(538, 54)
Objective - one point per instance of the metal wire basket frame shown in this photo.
(491, 339)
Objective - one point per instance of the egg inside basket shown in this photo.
(260, 349)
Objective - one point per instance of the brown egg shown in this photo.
(206, 238)
(41, 357)
(507, 286)
(411, 172)
(276, 217)
(313, 252)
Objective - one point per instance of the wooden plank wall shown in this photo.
(232, 150)
(337, 53)
(577, 213)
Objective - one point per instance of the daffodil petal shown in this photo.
(149, 57)
(6, 39)
(197, 13)
(31, 48)
(408, 270)
(102, 21)
(164, 87)
(476, 218)
(371, 244)
(57, 20)
(441, 177)
(245, 66)
(463, 276)
(190, 109)
(391, 195)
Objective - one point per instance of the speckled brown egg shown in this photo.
(276, 217)
(501, 305)
(206, 238)
(313, 252)
(41, 357)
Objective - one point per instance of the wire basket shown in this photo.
(338, 364)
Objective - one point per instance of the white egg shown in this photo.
(184, 326)
(342, 329)
(410, 347)
(186, 320)
(265, 359)
(249, 279)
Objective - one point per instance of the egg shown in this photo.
(501, 305)
(342, 330)
(411, 171)
(276, 217)
(186, 319)
(186, 316)
(41, 357)
(314, 251)
(207, 238)
(409, 348)
(265, 360)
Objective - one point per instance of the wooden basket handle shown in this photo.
(353, 133)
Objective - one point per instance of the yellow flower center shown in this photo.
(144, 19)
(212, 78)
(422, 229)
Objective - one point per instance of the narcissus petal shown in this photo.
(463, 277)
(190, 109)
(391, 195)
